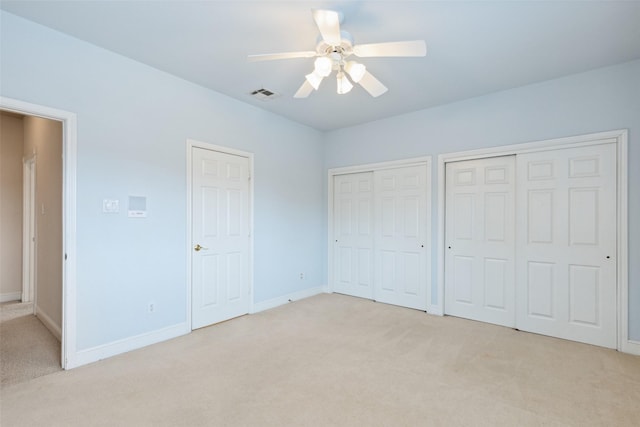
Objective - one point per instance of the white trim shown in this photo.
(631, 347)
(104, 351)
(531, 147)
(11, 296)
(284, 299)
(330, 236)
(28, 228)
(192, 143)
(69, 149)
(372, 167)
(188, 239)
(48, 323)
(619, 137)
(624, 343)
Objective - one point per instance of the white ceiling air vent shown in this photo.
(264, 94)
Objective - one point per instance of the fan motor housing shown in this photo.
(339, 52)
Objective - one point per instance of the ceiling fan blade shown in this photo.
(304, 90)
(372, 85)
(328, 22)
(282, 55)
(406, 48)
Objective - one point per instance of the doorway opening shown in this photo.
(50, 260)
(31, 287)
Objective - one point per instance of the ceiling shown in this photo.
(473, 48)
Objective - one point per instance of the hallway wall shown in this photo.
(43, 138)
(11, 136)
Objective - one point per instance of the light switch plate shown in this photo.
(110, 206)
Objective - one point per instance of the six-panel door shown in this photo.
(401, 233)
(567, 244)
(530, 240)
(480, 240)
(380, 235)
(353, 234)
(220, 236)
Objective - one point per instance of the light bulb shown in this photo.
(323, 66)
(355, 70)
(314, 79)
(344, 85)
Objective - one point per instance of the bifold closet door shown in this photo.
(566, 269)
(480, 240)
(400, 245)
(353, 234)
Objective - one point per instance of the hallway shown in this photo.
(27, 349)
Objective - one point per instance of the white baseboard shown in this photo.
(11, 296)
(49, 323)
(275, 302)
(94, 354)
(631, 347)
(104, 351)
(435, 309)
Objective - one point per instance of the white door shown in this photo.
(220, 236)
(400, 236)
(479, 239)
(353, 234)
(567, 244)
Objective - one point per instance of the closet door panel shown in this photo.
(480, 239)
(353, 234)
(400, 243)
(567, 244)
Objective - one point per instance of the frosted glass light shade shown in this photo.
(323, 66)
(314, 79)
(344, 85)
(355, 70)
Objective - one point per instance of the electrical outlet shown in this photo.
(151, 307)
(301, 276)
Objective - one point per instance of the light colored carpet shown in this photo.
(27, 349)
(334, 360)
(12, 309)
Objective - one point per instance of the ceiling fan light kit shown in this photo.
(314, 80)
(323, 66)
(355, 70)
(343, 83)
(333, 49)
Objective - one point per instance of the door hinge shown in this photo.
(65, 257)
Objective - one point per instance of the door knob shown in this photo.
(198, 248)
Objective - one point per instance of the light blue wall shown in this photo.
(133, 123)
(596, 101)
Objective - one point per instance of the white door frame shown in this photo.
(192, 143)
(69, 143)
(28, 229)
(372, 167)
(620, 138)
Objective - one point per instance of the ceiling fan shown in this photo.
(334, 48)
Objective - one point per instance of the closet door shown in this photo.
(566, 270)
(353, 234)
(480, 240)
(401, 233)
